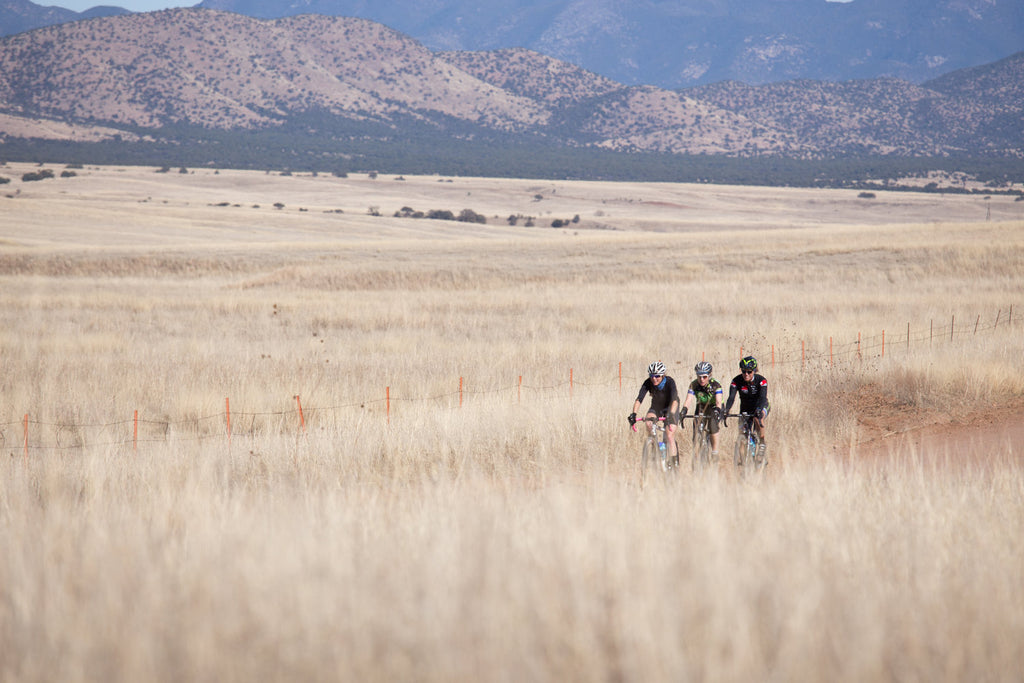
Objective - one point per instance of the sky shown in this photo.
(145, 5)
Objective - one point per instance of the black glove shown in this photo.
(717, 412)
(632, 419)
(682, 413)
(725, 417)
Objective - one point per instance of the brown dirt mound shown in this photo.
(888, 427)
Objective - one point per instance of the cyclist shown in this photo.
(664, 403)
(705, 396)
(753, 391)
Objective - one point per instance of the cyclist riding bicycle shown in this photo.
(705, 396)
(664, 403)
(753, 391)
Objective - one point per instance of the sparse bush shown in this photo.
(558, 223)
(278, 205)
(37, 175)
(372, 175)
(339, 174)
(373, 211)
(441, 215)
(183, 170)
(867, 195)
(67, 174)
(164, 169)
(4, 181)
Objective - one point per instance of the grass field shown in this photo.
(458, 498)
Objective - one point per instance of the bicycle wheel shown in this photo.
(702, 454)
(650, 462)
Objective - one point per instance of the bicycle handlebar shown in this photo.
(659, 419)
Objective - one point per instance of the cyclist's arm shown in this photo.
(732, 397)
(762, 396)
(690, 399)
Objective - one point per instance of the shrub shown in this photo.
(67, 174)
(441, 214)
(867, 195)
(4, 181)
(183, 170)
(37, 175)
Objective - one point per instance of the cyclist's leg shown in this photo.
(713, 429)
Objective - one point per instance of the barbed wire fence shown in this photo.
(32, 435)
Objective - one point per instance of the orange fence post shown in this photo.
(135, 431)
(773, 356)
(570, 382)
(302, 419)
(460, 392)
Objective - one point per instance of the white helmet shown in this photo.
(656, 368)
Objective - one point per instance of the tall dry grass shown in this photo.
(504, 538)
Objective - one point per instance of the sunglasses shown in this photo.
(748, 372)
(656, 376)
(702, 376)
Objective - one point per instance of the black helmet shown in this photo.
(749, 363)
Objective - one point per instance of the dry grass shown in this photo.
(505, 539)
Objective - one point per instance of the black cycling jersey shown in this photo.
(753, 394)
(662, 395)
(704, 395)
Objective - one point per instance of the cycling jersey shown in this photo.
(662, 395)
(753, 394)
(704, 395)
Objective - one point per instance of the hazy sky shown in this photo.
(145, 5)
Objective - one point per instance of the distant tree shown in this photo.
(67, 174)
(558, 223)
(373, 211)
(164, 169)
(278, 205)
(441, 215)
(471, 216)
(867, 195)
(4, 181)
(183, 170)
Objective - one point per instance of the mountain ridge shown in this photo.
(333, 77)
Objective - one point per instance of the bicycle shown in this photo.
(702, 459)
(654, 458)
(748, 454)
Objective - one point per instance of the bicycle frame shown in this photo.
(654, 456)
(746, 453)
(701, 442)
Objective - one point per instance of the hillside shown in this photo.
(177, 76)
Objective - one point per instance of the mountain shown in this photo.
(682, 43)
(17, 16)
(178, 74)
(672, 43)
